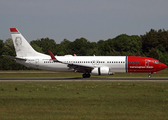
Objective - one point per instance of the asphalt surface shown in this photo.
(93, 79)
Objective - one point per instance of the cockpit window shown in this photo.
(156, 61)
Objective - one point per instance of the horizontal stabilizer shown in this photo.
(13, 57)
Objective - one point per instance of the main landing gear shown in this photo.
(86, 75)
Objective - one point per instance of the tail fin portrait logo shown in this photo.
(18, 41)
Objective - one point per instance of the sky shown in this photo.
(71, 19)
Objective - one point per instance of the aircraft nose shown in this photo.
(163, 66)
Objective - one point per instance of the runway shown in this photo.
(93, 79)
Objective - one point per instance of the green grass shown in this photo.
(29, 74)
(86, 101)
(39, 73)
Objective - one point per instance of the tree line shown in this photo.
(152, 44)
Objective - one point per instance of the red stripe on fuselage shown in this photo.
(143, 64)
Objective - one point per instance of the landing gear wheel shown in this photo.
(149, 75)
(86, 75)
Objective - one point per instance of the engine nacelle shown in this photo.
(102, 71)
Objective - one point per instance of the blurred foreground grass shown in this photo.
(88, 101)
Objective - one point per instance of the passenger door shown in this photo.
(146, 63)
(37, 62)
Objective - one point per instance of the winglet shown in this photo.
(52, 56)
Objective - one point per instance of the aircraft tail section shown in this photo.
(22, 47)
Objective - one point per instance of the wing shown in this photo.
(75, 67)
(80, 68)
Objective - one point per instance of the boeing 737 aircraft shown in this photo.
(95, 65)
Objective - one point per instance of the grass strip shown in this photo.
(91, 101)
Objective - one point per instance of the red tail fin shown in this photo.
(13, 30)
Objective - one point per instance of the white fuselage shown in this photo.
(115, 63)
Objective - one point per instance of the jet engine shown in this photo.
(102, 71)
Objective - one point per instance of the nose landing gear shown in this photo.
(149, 75)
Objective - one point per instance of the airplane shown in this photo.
(95, 65)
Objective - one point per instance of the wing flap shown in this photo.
(80, 68)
